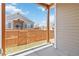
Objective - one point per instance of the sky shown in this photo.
(32, 11)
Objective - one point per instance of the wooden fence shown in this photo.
(21, 37)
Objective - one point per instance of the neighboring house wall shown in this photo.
(67, 28)
(18, 19)
(30, 25)
(25, 25)
(9, 24)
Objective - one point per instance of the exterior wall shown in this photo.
(28, 25)
(10, 24)
(67, 28)
(7, 24)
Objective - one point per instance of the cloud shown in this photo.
(52, 21)
(10, 9)
(41, 8)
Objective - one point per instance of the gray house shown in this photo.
(18, 21)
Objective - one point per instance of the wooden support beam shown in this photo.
(3, 28)
(47, 7)
(44, 5)
(48, 23)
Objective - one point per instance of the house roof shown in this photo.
(18, 16)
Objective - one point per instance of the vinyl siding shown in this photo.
(67, 28)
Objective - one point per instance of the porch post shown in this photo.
(48, 23)
(3, 29)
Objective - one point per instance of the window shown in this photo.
(31, 25)
(25, 25)
(9, 25)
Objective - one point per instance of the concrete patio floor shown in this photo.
(49, 51)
